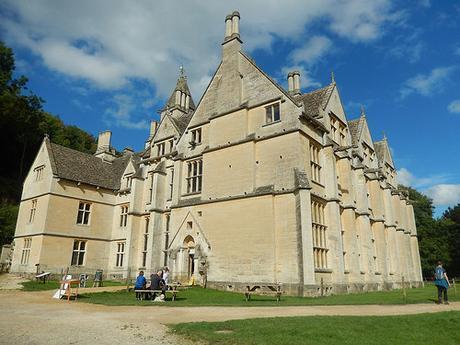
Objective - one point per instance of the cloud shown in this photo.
(454, 106)
(406, 178)
(306, 80)
(407, 47)
(426, 84)
(311, 51)
(425, 3)
(122, 112)
(444, 194)
(111, 44)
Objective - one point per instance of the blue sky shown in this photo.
(112, 64)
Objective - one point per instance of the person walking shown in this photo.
(442, 283)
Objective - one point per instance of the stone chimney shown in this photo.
(296, 82)
(104, 150)
(153, 128)
(232, 42)
(290, 79)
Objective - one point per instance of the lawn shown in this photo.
(34, 285)
(439, 328)
(197, 296)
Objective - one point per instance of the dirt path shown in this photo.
(36, 318)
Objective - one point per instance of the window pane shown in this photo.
(82, 245)
(268, 115)
(276, 112)
(80, 259)
(74, 258)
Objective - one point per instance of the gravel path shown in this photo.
(35, 318)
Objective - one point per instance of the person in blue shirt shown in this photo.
(442, 283)
(140, 284)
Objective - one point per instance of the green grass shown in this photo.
(197, 296)
(439, 328)
(34, 285)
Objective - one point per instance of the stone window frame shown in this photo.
(161, 148)
(25, 255)
(273, 113)
(84, 213)
(194, 175)
(319, 234)
(120, 255)
(338, 129)
(145, 244)
(124, 210)
(39, 172)
(315, 162)
(150, 178)
(79, 250)
(197, 135)
(170, 183)
(33, 210)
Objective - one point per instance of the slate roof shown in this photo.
(182, 121)
(316, 100)
(83, 167)
(356, 126)
(380, 151)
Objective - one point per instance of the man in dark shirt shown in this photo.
(157, 283)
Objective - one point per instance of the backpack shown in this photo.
(439, 273)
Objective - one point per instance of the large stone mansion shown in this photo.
(254, 184)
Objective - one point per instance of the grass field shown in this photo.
(197, 296)
(439, 328)
(34, 285)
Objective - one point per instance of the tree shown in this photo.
(451, 218)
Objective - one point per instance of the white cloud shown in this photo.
(426, 84)
(122, 112)
(454, 106)
(406, 178)
(444, 194)
(311, 51)
(425, 3)
(111, 43)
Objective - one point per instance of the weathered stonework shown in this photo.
(254, 184)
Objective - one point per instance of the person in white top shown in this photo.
(166, 275)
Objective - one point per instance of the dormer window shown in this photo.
(196, 136)
(128, 181)
(161, 149)
(272, 113)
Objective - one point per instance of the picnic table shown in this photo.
(173, 290)
(43, 276)
(263, 289)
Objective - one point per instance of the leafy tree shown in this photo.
(23, 124)
(452, 218)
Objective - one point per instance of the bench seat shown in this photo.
(171, 292)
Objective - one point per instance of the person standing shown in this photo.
(442, 283)
(166, 276)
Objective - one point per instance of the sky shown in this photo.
(111, 65)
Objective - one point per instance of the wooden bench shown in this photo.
(264, 290)
(173, 293)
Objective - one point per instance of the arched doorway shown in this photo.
(189, 245)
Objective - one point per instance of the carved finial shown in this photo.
(332, 77)
(181, 70)
(47, 136)
(363, 112)
(384, 136)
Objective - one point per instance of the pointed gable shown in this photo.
(316, 100)
(383, 152)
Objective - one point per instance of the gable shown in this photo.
(166, 129)
(334, 104)
(365, 135)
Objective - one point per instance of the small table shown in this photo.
(265, 289)
(43, 276)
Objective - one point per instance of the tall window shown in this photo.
(196, 135)
(150, 187)
(26, 251)
(334, 128)
(344, 253)
(146, 240)
(39, 172)
(123, 215)
(319, 235)
(161, 149)
(128, 181)
(272, 113)
(33, 209)
(120, 253)
(194, 176)
(315, 163)
(171, 180)
(171, 145)
(83, 213)
(78, 253)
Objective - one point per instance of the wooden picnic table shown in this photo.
(263, 289)
(172, 291)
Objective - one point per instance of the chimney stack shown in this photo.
(232, 26)
(290, 79)
(296, 79)
(153, 128)
(104, 150)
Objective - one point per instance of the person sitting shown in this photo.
(157, 283)
(140, 284)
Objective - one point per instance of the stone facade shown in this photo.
(254, 184)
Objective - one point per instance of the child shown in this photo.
(140, 284)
